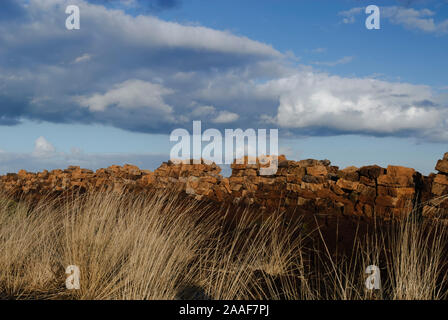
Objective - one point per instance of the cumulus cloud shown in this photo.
(203, 111)
(212, 114)
(226, 117)
(151, 75)
(84, 58)
(43, 148)
(351, 105)
(130, 94)
(145, 71)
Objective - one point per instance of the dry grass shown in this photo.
(164, 246)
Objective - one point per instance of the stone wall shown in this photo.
(117, 178)
(309, 185)
(437, 204)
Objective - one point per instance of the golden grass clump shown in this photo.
(168, 246)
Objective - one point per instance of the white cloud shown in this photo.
(151, 31)
(317, 100)
(349, 20)
(415, 19)
(150, 75)
(203, 111)
(226, 117)
(349, 15)
(409, 18)
(343, 60)
(131, 94)
(84, 58)
(43, 148)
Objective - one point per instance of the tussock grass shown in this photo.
(166, 246)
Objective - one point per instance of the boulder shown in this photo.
(316, 171)
(371, 172)
(442, 166)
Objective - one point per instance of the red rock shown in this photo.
(293, 187)
(371, 172)
(441, 179)
(315, 186)
(225, 183)
(336, 189)
(396, 192)
(367, 181)
(347, 184)
(442, 166)
(22, 174)
(349, 173)
(386, 201)
(395, 181)
(147, 179)
(439, 189)
(318, 170)
(400, 171)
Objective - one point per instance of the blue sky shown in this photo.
(111, 92)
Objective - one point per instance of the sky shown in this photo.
(113, 91)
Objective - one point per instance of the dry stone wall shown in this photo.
(310, 185)
(116, 178)
(437, 206)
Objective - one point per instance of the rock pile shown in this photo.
(317, 186)
(199, 180)
(310, 185)
(74, 178)
(438, 204)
